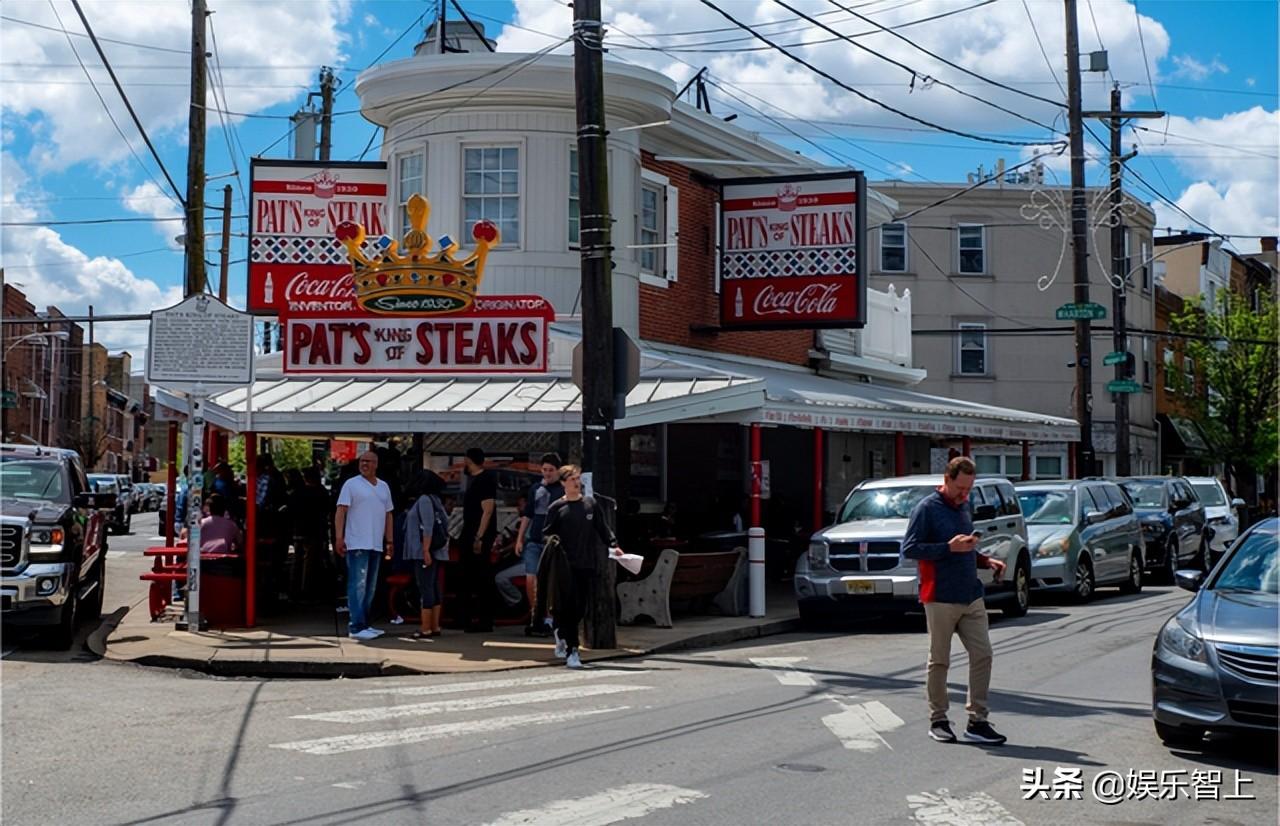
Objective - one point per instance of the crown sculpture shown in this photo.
(410, 279)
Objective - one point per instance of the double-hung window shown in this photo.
(575, 205)
(971, 356)
(1189, 373)
(411, 180)
(1169, 368)
(893, 247)
(491, 189)
(1146, 362)
(651, 229)
(971, 242)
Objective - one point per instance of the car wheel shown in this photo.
(1017, 607)
(1206, 559)
(1171, 561)
(1133, 584)
(1084, 579)
(64, 633)
(1172, 735)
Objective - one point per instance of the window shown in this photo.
(893, 247)
(1013, 465)
(1093, 499)
(1010, 507)
(1128, 262)
(651, 215)
(987, 465)
(1146, 362)
(1168, 370)
(1119, 502)
(491, 189)
(1145, 263)
(410, 177)
(1189, 372)
(574, 204)
(1048, 467)
(972, 355)
(972, 249)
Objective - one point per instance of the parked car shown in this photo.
(153, 496)
(120, 519)
(857, 563)
(1213, 667)
(1220, 513)
(1173, 523)
(53, 541)
(1081, 535)
(129, 492)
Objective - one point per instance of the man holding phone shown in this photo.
(940, 537)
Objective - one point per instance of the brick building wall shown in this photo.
(21, 359)
(687, 311)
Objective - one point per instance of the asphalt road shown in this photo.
(798, 729)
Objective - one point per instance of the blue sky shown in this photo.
(1213, 67)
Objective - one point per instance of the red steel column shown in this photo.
(171, 485)
(1026, 460)
(250, 528)
(755, 476)
(819, 477)
(899, 454)
(966, 447)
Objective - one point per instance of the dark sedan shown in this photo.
(1173, 524)
(1214, 664)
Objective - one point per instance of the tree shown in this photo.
(287, 453)
(1236, 360)
(87, 437)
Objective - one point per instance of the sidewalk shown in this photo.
(305, 646)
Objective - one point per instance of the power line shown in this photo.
(105, 39)
(1052, 71)
(942, 59)
(136, 120)
(1235, 148)
(60, 264)
(149, 219)
(862, 95)
(1146, 64)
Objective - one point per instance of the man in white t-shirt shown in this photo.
(363, 532)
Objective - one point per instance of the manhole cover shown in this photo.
(800, 767)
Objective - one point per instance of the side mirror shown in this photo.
(96, 501)
(1093, 517)
(1189, 580)
(1237, 502)
(984, 512)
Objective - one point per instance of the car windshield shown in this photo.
(882, 503)
(33, 479)
(1254, 566)
(1210, 494)
(1048, 507)
(1145, 494)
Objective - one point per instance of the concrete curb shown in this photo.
(97, 641)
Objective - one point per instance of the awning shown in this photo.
(1182, 436)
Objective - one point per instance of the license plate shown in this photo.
(860, 586)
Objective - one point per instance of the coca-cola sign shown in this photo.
(790, 250)
(296, 265)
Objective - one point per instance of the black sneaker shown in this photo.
(980, 731)
(940, 730)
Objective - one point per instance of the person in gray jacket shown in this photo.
(424, 496)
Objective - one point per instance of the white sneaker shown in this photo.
(562, 650)
(364, 635)
(377, 632)
(573, 661)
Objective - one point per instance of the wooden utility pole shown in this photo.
(1115, 118)
(195, 276)
(1080, 250)
(440, 21)
(597, 291)
(326, 111)
(225, 263)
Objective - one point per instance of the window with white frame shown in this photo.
(1169, 368)
(1189, 373)
(575, 206)
(1128, 263)
(1146, 362)
(893, 247)
(1145, 263)
(1048, 467)
(491, 188)
(410, 179)
(651, 229)
(971, 352)
(971, 243)
(1008, 465)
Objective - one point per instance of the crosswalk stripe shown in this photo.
(945, 809)
(115, 554)
(781, 667)
(858, 726)
(506, 682)
(613, 806)
(400, 737)
(370, 715)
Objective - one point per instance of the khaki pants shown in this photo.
(970, 622)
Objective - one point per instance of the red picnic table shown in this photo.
(169, 569)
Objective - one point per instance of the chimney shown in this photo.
(1268, 243)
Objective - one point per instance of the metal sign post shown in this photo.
(195, 504)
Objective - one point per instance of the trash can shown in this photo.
(222, 592)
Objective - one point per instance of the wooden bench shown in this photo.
(715, 577)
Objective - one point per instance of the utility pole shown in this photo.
(195, 276)
(91, 445)
(326, 111)
(440, 25)
(597, 291)
(226, 243)
(1080, 249)
(1120, 269)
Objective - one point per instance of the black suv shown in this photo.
(1173, 523)
(53, 541)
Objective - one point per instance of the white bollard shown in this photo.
(755, 570)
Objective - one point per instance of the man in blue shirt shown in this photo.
(940, 537)
(532, 521)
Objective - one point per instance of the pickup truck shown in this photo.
(53, 542)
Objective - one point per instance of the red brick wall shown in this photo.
(672, 315)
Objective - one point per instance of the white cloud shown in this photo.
(149, 200)
(1190, 68)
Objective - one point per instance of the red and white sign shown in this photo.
(296, 265)
(499, 334)
(790, 249)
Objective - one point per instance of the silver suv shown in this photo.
(857, 563)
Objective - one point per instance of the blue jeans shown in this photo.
(531, 556)
(362, 583)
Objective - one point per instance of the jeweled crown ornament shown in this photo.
(410, 279)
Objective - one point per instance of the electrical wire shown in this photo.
(1052, 71)
(35, 25)
(61, 264)
(143, 219)
(856, 92)
(234, 148)
(1146, 64)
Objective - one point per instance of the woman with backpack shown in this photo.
(426, 545)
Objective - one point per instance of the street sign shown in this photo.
(9, 400)
(1115, 358)
(1081, 312)
(626, 368)
(1123, 386)
(200, 341)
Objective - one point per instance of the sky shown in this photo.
(1211, 65)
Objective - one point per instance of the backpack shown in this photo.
(439, 525)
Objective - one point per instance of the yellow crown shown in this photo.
(416, 281)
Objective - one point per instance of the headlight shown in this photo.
(1178, 637)
(1056, 546)
(818, 552)
(47, 536)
